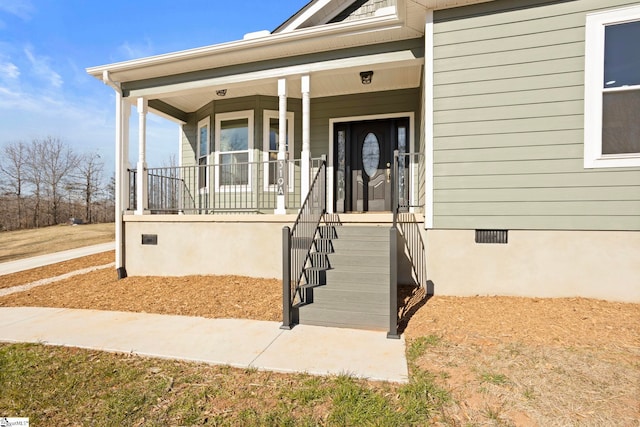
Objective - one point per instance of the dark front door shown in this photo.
(364, 155)
(371, 155)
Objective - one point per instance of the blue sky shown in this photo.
(46, 45)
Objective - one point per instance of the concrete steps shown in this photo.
(348, 282)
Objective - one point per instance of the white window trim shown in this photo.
(235, 115)
(594, 76)
(266, 116)
(202, 123)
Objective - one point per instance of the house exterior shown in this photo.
(515, 124)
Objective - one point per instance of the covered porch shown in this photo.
(328, 118)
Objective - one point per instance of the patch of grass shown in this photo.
(422, 396)
(27, 243)
(356, 404)
(420, 345)
(494, 378)
(529, 394)
(309, 391)
(493, 414)
(39, 384)
(66, 386)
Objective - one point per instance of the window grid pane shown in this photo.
(620, 122)
(234, 135)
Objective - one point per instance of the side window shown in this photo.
(270, 146)
(203, 152)
(612, 89)
(234, 136)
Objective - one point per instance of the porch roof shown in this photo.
(379, 29)
(182, 82)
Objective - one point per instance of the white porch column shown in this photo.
(305, 155)
(141, 190)
(282, 147)
(428, 121)
(122, 179)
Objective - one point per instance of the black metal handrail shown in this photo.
(219, 188)
(405, 226)
(297, 243)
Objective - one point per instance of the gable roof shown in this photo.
(309, 31)
(320, 12)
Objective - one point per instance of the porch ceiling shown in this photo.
(342, 82)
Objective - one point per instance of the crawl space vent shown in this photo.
(492, 236)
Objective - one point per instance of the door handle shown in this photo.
(388, 172)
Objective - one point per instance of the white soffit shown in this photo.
(323, 84)
(379, 61)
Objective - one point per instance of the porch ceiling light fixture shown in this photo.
(221, 92)
(366, 77)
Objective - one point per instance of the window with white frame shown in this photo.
(203, 152)
(271, 136)
(234, 136)
(612, 89)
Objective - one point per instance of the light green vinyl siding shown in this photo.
(358, 105)
(508, 122)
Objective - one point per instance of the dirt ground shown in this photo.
(505, 361)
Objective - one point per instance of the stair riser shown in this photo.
(360, 247)
(378, 308)
(357, 278)
(322, 317)
(330, 295)
(360, 232)
(357, 263)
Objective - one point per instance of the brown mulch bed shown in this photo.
(575, 322)
(504, 360)
(204, 296)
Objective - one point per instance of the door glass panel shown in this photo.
(402, 149)
(341, 173)
(370, 154)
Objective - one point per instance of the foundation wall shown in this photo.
(590, 264)
(545, 264)
(202, 245)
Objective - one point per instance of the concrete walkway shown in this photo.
(234, 342)
(42, 260)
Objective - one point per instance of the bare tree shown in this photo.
(89, 171)
(35, 176)
(43, 180)
(58, 163)
(13, 165)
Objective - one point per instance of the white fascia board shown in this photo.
(342, 29)
(315, 8)
(381, 61)
(166, 116)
